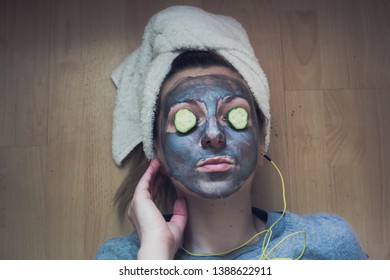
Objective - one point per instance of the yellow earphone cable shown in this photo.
(268, 232)
(268, 235)
(284, 239)
(224, 252)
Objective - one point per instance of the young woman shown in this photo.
(209, 137)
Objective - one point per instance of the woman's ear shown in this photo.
(159, 156)
(156, 150)
(260, 160)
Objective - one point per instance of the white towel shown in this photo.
(139, 77)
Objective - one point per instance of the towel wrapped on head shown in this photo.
(139, 77)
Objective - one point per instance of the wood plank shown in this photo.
(101, 35)
(32, 96)
(23, 208)
(376, 37)
(383, 99)
(66, 155)
(341, 43)
(311, 189)
(4, 169)
(354, 40)
(301, 49)
(65, 194)
(66, 36)
(259, 18)
(354, 155)
(66, 163)
(28, 29)
(7, 98)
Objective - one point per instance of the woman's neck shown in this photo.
(216, 226)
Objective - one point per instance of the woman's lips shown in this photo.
(215, 164)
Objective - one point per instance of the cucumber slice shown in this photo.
(238, 118)
(185, 120)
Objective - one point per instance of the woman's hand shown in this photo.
(159, 239)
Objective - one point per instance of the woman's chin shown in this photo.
(208, 190)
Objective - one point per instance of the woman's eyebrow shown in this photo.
(190, 101)
(229, 98)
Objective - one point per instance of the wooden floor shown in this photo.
(328, 63)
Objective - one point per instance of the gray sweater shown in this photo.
(327, 237)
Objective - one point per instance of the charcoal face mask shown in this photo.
(232, 153)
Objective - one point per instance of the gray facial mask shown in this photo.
(233, 152)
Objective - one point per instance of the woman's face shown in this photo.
(213, 159)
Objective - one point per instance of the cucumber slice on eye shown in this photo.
(238, 118)
(184, 121)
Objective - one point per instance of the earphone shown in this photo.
(268, 232)
(268, 235)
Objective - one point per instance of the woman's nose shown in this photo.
(214, 135)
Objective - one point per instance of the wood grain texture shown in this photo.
(328, 67)
(305, 133)
(301, 49)
(23, 210)
(354, 37)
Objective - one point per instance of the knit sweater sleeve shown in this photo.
(329, 237)
(119, 248)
